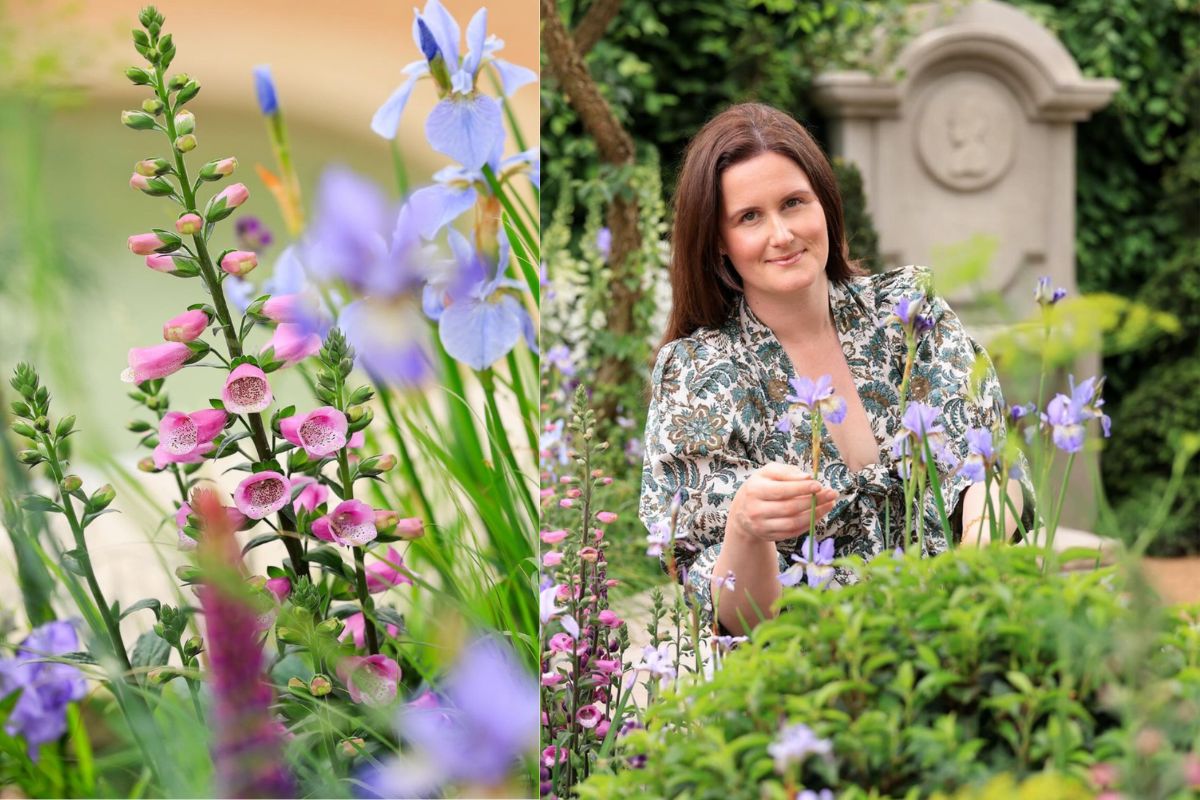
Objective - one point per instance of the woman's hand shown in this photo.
(775, 503)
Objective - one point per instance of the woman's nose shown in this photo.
(781, 234)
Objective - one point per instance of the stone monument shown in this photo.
(971, 131)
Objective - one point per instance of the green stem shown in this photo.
(498, 190)
(406, 462)
(528, 417)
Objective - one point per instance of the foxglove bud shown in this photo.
(239, 262)
(330, 627)
(186, 143)
(226, 201)
(152, 105)
(101, 498)
(71, 483)
(320, 686)
(295, 685)
(193, 646)
(410, 528)
(386, 462)
(160, 262)
(147, 465)
(386, 520)
(21, 429)
(185, 122)
(144, 244)
(138, 120)
(155, 187)
(139, 77)
(64, 426)
(189, 90)
(215, 170)
(185, 327)
(152, 167)
(30, 457)
(178, 81)
(189, 224)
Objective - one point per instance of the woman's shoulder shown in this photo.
(701, 352)
(890, 286)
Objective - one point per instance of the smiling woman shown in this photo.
(767, 300)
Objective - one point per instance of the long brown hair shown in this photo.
(704, 285)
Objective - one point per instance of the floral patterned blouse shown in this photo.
(718, 396)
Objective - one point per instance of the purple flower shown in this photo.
(604, 242)
(814, 397)
(809, 794)
(660, 537)
(475, 729)
(1043, 295)
(252, 234)
(559, 357)
(918, 427)
(1065, 415)
(795, 744)
(456, 189)
(981, 455)
(1017, 413)
(548, 594)
(479, 312)
(908, 313)
(813, 560)
(465, 124)
(264, 90)
(40, 714)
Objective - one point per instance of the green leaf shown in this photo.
(258, 541)
(148, 602)
(151, 650)
(73, 561)
(331, 559)
(38, 503)
(1021, 681)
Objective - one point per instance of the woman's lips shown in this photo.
(788, 260)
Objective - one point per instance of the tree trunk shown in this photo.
(565, 64)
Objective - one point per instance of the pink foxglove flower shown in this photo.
(319, 432)
(311, 496)
(280, 587)
(355, 630)
(161, 262)
(246, 390)
(262, 494)
(156, 361)
(605, 517)
(383, 575)
(372, 680)
(186, 438)
(144, 244)
(410, 528)
(237, 521)
(239, 262)
(185, 327)
(139, 181)
(292, 343)
(351, 523)
(233, 195)
(189, 225)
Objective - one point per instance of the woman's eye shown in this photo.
(792, 202)
(749, 216)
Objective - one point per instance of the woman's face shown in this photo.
(772, 227)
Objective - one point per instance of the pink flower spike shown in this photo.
(189, 225)
(320, 432)
(552, 559)
(157, 361)
(262, 494)
(161, 262)
(185, 327)
(144, 244)
(606, 517)
(138, 181)
(372, 680)
(311, 496)
(354, 629)
(352, 523)
(280, 587)
(291, 344)
(246, 390)
(233, 195)
(383, 575)
(609, 618)
(588, 716)
(239, 262)
(553, 537)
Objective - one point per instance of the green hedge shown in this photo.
(930, 675)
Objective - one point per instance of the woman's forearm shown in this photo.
(976, 518)
(755, 565)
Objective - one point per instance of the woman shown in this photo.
(763, 291)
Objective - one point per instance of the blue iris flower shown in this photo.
(264, 89)
(465, 125)
(455, 189)
(479, 312)
(47, 687)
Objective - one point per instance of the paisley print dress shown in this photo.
(718, 396)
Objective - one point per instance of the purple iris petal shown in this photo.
(386, 121)
(979, 441)
(444, 29)
(920, 418)
(434, 207)
(838, 412)
(388, 339)
(466, 128)
(512, 76)
(264, 90)
(479, 332)
(807, 393)
(604, 242)
(40, 713)
(425, 40)
(476, 36)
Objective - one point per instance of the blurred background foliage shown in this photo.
(667, 66)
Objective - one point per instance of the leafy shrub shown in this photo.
(928, 675)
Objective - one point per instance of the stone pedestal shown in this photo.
(972, 132)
